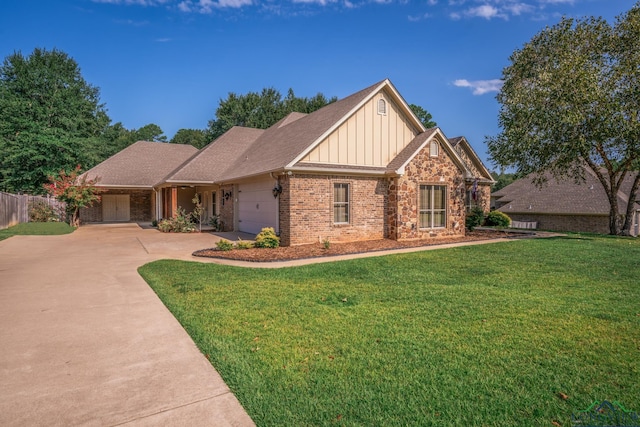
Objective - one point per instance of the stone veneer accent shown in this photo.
(306, 209)
(402, 212)
(140, 206)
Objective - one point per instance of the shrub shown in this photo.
(216, 223)
(181, 223)
(474, 218)
(267, 238)
(40, 211)
(154, 223)
(497, 219)
(224, 245)
(244, 244)
(326, 243)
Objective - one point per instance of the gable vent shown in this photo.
(382, 106)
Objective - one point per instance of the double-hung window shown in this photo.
(433, 206)
(340, 203)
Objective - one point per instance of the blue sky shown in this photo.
(170, 62)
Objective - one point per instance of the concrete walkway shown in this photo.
(85, 341)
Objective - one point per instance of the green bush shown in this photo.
(40, 211)
(181, 223)
(224, 245)
(474, 218)
(244, 244)
(267, 238)
(497, 219)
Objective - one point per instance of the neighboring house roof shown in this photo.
(564, 197)
(141, 164)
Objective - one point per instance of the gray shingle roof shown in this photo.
(141, 164)
(214, 160)
(282, 143)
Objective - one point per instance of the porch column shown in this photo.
(174, 201)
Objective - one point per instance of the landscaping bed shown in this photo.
(287, 253)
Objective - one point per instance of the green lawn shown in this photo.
(36, 228)
(481, 335)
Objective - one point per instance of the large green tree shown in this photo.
(196, 137)
(50, 119)
(425, 117)
(260, 110)
(570, 105)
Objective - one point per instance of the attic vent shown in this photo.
(434, 148)
(382, 107)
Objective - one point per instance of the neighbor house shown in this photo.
(361, 168)
(563, 205)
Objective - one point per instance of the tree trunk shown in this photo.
(628, 219)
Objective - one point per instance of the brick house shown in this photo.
(361, 168)
(564, 205)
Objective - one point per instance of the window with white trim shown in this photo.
(432, 206)
(341, 203)
(382, 106)
(434, 148)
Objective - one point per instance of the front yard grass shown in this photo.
(36, 228)
(523, 333)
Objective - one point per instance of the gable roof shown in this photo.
(216, 159)
(565, 197)
(140, 165)
(246, 152)
(462, 146)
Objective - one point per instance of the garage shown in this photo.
(257, 208)
(115, 207)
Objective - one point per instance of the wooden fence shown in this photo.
(14, 208)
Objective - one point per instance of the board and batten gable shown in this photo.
(368, 137)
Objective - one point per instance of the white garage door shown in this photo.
(115, 207)
(257, 208)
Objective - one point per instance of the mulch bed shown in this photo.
(288, 253)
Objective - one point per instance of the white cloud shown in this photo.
(185, 6)
(163, 40)
(517, 9)
(480, 87)
(432, 2)
(418, 18)
(485, 11)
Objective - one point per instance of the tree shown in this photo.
(424, 116)
(570, 106)
(196, 137)
(74, 191)
(151, 132)
(260, 110)
(50, 119)
(502, 180)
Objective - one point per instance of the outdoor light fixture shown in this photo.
(276, 190)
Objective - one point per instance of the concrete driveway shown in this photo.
(85, 341)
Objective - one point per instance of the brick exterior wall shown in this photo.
(577, 223)
(141, 208)
(402, 212)
(306, 209)
(378, 207)
(226, 197)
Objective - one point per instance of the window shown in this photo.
(434, 148)
(340, 203)
(382, 106)
(433, 206)
(213, 203)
